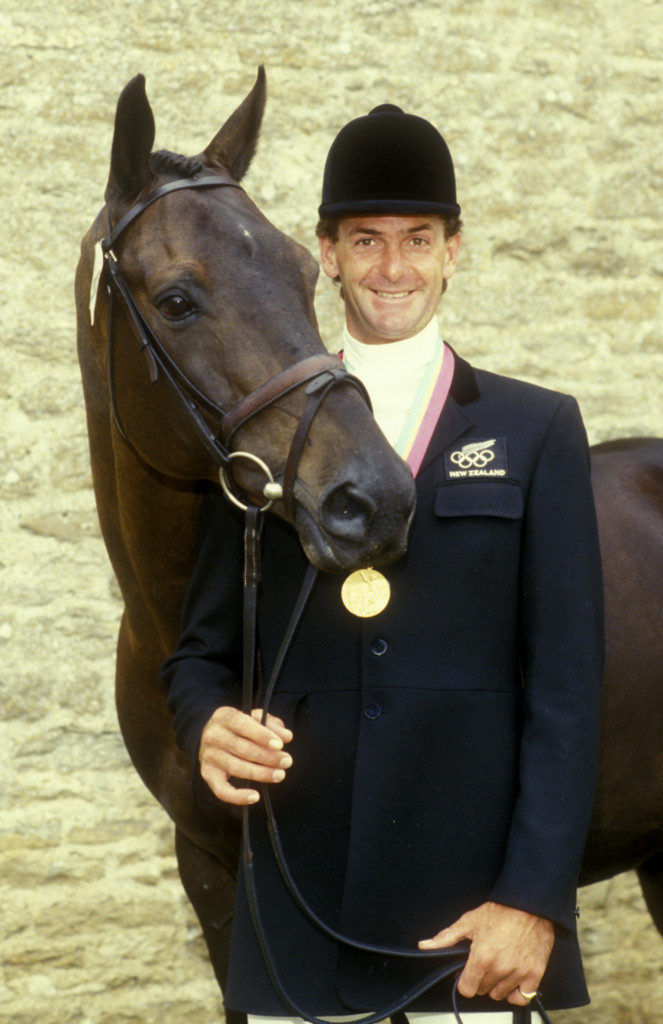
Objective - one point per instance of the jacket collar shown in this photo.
(455, 419)
(464, 388)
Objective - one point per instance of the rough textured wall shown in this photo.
(553, 112)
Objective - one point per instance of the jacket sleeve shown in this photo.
(205, 671)
(562, 651)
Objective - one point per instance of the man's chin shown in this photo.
(394, 324)
(395, 331)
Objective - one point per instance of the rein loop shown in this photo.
(452, 958)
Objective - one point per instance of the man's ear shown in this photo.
(452, 246)
(328, 257)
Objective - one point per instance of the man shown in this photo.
(442, 753)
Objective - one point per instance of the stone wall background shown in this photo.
(552, 109)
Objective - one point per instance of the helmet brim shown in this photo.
(356, 207)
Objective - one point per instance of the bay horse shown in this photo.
(223, 305)
(626, 829)
(231, 298)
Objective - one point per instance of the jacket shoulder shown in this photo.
(512, 390)
(525, 406)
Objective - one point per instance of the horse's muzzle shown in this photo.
(367, 524)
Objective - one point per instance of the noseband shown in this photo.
(320, 373)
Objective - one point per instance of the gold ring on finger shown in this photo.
(527, 995)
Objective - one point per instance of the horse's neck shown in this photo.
(149, 526)
(151, 535)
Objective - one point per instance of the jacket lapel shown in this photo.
(455, 419)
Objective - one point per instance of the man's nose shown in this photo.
(392, 264)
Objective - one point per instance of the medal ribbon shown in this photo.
(426, 408)
(365, 592)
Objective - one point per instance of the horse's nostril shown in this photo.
(346, 512)
(344, 505)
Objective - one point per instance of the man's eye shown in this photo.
(418, 240)
(365, 242)
(175, 307)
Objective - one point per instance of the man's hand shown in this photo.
(509, 951)
(235, 744)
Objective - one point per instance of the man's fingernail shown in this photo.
(275, 743)
(286, 761)
(278, 775)
(252, 798)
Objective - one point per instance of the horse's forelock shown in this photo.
(165, 162)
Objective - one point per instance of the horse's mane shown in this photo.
(165, 162)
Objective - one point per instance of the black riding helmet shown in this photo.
(388, 162)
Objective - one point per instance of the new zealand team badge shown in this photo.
(481, 457)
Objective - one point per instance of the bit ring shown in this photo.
(272, 490)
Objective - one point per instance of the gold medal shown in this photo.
(365, 593)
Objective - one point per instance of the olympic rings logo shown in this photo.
(474, 456)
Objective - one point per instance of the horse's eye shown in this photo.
(175, 306)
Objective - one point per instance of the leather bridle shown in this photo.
(320, 373)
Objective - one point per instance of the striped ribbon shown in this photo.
(426, 408)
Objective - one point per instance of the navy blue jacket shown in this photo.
(445, 750)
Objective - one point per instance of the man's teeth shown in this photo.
(392, 295)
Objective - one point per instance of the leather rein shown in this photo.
(453, 958)
(320, 373)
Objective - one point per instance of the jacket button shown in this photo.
(379, 647)
(372, 711)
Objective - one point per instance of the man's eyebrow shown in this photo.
(359, 230)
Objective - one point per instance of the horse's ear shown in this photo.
(133, 138)
(232, 148)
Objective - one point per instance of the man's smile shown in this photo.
(392, 295)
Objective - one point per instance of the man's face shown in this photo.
(392, 271)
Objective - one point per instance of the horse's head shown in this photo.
(230, 299)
